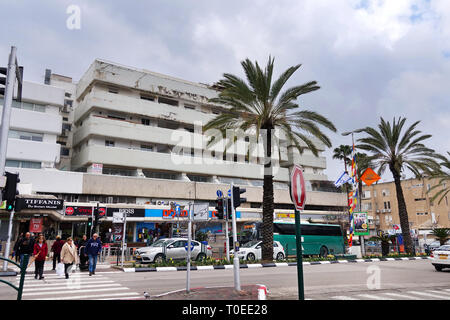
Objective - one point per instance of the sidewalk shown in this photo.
(248, 292)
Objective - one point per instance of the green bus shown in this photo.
(317, 239)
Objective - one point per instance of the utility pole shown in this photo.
(12, 72)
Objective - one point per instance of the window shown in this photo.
(23, 164)
(68, 103)
(385, 192)
(68, 95)
(26, 106)
(168, 101)
(114, 90)
(145, 147)
(65, 151)
(109, 143)
(118, 117)
(25, 135)
(66, 126)
(188, 106)
(147, 97)
(145, 122)
(419, 199)
(197, 178)
(65, 119)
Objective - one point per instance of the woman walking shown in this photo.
(69, 255)
(40, 253)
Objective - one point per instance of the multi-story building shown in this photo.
(136, 143)
(380, 201)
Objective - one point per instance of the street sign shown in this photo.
(118, 217)
(192, 246)
(219, 193)
(200, 211)
(369, 176)
(298, 189)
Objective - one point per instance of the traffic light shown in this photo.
(19, 76)
(10, 192)
(229, 211)
(89, 223)
(219, 208)
(237, 200)
(96, 217)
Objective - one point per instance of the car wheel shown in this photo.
(438, 268)
(159, 258)
(280, 256)
(251, 257)
(323, 252)
(201, 257)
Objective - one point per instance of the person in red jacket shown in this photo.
(40, 253)
(56, 248)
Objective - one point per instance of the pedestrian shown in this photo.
(56, 249)
(40, 253)
(69, 255)
(16, 247)
(93, 248)
(82, 251)
(25, 246)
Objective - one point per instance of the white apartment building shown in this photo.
(134, 145)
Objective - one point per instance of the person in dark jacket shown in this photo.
(82, 252)
(56, 249)
(25, 246)
(93, 248)
(40, 253)
(16, 246)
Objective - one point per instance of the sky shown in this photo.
(371, 58)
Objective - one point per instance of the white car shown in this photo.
(171, 248)
(251, 251)
(441, 257)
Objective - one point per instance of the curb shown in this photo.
(266, 265)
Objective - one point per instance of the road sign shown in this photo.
(369, 176)
(192, 247)
(200, 211)
(118, 217)
(219, 193)
(298, 189)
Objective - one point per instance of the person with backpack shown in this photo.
(25, 246)
(93, 248)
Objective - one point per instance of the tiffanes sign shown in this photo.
(29, 203)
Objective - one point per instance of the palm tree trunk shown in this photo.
(267, 225)
(402, 212)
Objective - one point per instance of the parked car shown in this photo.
(251, 251)
(441, 257)
(429, 248)
(171, 248)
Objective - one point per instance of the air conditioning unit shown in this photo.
(378, 210)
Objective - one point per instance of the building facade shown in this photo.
(380, 201)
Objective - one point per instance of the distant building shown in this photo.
(380, 201)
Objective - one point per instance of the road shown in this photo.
(397, 280)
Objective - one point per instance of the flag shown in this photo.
(344, 178)
(354, 200)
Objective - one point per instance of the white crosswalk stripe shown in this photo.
(373, 297)
(343, 298)
(431, 295)
(407, 295)
(401, 296)
(78, 286)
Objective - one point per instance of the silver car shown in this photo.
(172, 248)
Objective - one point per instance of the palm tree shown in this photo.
(259, 104)
(342, 153)
(390, 148)
(442, 234)
(444, 181)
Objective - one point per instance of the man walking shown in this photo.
(56, 249)
(25, 246)
(82, 251)
(93, 248)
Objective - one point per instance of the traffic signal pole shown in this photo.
(6, 117)
(227, 245)
(237, 281)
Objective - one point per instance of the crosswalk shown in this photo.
(79, 286)
(443, 294)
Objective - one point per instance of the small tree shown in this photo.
(442, 234)
(385, 240)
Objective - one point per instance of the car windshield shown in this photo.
(250, 244)
(443, 248)
(159, 243)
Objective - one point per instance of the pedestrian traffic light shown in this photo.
(19, 76)
(10, 192)
(237, 200)
(219, 208)
(229, 210)
(89, 223)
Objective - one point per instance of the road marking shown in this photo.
(73, 291)
(402, 296)
(205, 268)
(71, 283)
(370, 296)
(430, 295)
(343, 298)
(90, 296)
(75, 286)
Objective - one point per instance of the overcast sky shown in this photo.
(371, 58)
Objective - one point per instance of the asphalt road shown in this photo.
(397, 280)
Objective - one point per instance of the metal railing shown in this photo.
(23, 268)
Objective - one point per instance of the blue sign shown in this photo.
(229, 193)
(192, 247)
(219, 193)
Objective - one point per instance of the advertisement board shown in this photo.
(361, 223)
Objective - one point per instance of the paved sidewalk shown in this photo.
(248, 292)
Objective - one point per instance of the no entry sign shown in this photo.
(298, 190)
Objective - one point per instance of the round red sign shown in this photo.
(69, 211)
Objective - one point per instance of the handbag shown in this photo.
(60, 269)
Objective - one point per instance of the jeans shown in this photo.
(92, 263)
